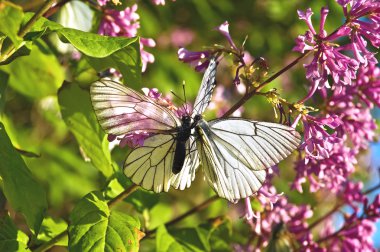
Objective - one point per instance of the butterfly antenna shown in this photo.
(184, 95)
(179, 98)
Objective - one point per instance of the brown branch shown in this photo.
(186, 214)
(328, 214)
(249, 94)
(123, 195)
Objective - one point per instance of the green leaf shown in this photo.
(11, 17)
(143, 199)
(219, 236)
(3, 87)
(102, 52)
(79, 116)
(38, 75)
(194, 239)
(51, 228)
(93, 227)
(11, 239)
(165, 242)
(25, 195)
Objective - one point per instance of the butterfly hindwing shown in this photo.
(150, 165)
(183, 179)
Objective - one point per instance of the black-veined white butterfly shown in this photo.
(233, 152)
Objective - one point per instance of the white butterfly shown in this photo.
(233, 152)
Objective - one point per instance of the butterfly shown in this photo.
(233, 152)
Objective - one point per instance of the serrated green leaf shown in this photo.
(51, 228)
(38, 75)
(11, 17)
(102, 52)
(94, 227)
(21, 189)
(78, 114)
(165, 242)
(126, 60)
(12, 239)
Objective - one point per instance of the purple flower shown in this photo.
(368, 28)
(223, 29)
(126, 24)
(181, 37)
(159, 2)
(291, 216)
(328, 57)
(329, 173)
(357, 123)
(318, 142)
(356, 232)
(368, 85)
(198, 60)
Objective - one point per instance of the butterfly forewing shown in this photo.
(206, 88)
(234, 153)
(121, 110)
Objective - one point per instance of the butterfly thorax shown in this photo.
(184, 130)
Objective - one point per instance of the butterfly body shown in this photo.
(183, 135)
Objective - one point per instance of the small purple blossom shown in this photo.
(368, 85)
(126, 24)
(318, 142)
(329, 173)
(369, 27)
(223, 29)
(198, 60)
(292, 217)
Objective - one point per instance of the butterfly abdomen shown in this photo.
(183, 135)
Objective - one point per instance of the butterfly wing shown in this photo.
(235, 152)
(150, 165)
(121, 110)
(207, 87)
(183, 179)
(186, 176)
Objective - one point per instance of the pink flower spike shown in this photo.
(223, 29)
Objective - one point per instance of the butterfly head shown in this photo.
(186, 120)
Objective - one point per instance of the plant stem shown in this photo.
(328, 214)
(8, 51)
(51, 243)
(186, 214)
(123, 195)
(371, 190)
(249, 94)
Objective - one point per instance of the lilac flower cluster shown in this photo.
(358, 228)
(344, 126)
(125, 24)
